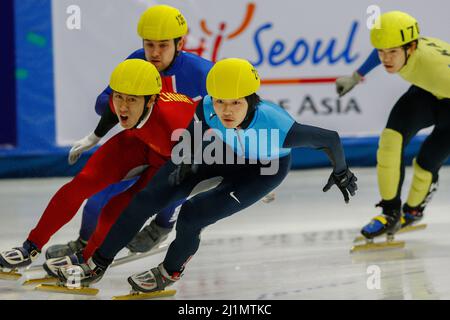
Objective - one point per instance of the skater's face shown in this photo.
(231, 112)
(129, 108)
(394, 59)
(161, 53)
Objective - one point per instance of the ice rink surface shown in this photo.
(296, 247)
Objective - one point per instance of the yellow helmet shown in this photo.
(396, 29)
(136, 77)
(162, 22)
(232, 78)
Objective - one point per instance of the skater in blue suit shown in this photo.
(246, 141)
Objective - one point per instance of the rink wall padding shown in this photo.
(359, 152)
(58, 73)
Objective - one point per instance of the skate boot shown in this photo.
(19, 257)
(389, 222)
(411, 216)
(84, 274)
(51, 266)
(386, 223)
(76, 278)
(151, 284)
(156, 279)
(148, 238)
(16, 258)
(62, 250)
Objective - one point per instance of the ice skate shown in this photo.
(51, 267)
(76, 279)
(411, 218)
(62, 250)
(150, 284)
(148, 238)
(405, 228)
(16, 258)
(387, 224)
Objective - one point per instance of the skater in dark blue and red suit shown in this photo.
(149, 117)
(162, 29)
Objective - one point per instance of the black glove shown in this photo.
(345, 181)
(181, 173)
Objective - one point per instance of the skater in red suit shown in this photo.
(149, 117)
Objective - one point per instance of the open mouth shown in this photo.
(123, 118)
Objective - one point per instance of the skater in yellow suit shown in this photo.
(425, 63)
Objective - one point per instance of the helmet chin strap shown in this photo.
(145, 111)
(405, 49)
(248, 117)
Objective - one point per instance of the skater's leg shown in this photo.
(159, 228)
(112, 210)
(99, 172)
(95, 204)
(412, 112)
(433, 153)
(157, 195)
(108, 165)
(234, 194)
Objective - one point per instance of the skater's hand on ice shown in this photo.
(181, 173)
(345, 84)
(345, 181)
(82, 145)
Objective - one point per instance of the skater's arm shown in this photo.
(372, 61)
(106, 123)
(317, 138)
(102, 102)
(313, 137)
(347, 83)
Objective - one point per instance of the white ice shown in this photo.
(296, 247)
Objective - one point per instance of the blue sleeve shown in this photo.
(371, 62)
(102, 102)
(322, 139)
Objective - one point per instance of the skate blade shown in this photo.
(30, 282)
(402, 230)
(142, 296)
(378, 246)
(32, 268)
(63, 289)
(136, 256)
(412, 228)
(10, 275)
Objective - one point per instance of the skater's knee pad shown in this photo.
(388, 163)
(420, 186)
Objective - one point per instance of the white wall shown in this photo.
(84, 58)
